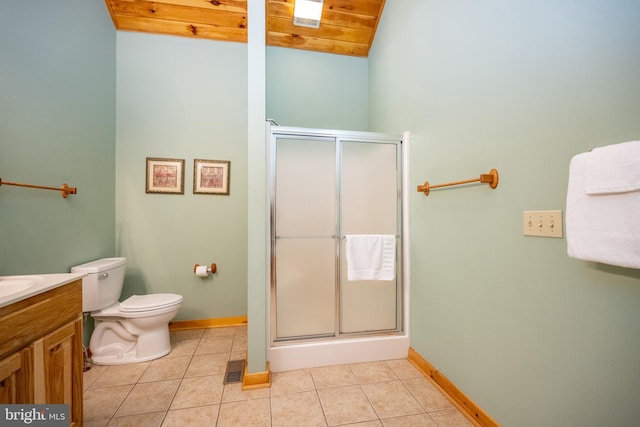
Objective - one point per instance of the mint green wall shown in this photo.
(186, 99)
(57, 124)
(534, 337)
(317, 90)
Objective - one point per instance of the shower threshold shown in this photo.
(285, 356)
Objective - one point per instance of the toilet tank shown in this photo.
(102, 285)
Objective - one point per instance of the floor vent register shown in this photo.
(235, 371)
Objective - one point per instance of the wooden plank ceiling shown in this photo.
(347, 26)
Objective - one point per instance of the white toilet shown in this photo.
(131, 331)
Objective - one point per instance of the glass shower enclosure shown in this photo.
(325, 185)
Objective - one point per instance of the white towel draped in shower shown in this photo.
(371, 256)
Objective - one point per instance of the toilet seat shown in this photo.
(140, 306)
(138, 303)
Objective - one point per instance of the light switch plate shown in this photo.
(542, 223)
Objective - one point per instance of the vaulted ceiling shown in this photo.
(347, 26)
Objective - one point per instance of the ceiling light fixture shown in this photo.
(307, 13)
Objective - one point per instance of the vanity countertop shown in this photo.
(21, 287)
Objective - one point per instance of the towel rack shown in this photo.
(65, 189)
(490, 178)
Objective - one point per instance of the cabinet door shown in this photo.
(58, 378)
(15, 377)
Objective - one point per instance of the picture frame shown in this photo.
(165, 176)
(211, 176)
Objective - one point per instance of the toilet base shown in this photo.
(114, 344)
(125, 358)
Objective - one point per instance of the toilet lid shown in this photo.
(149, 302)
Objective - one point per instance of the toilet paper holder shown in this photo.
(210, 269)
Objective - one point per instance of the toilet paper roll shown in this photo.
(202, 271)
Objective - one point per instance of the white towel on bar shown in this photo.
(613, 169)
(371, 256)
(601, 227)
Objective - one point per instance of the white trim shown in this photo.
(325, 353)
(406, 231)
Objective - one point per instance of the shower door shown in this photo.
(326, 185)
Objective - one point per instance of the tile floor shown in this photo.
(185, 388)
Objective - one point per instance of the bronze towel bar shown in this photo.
(65, 189)
(491, 178)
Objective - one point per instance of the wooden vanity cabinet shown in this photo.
(15, 377)
(41, 355)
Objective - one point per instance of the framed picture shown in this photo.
(211, 176)
(165, 176)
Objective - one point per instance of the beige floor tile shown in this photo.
(202, 416)
(238, 355)
(214, 345)
(149, 397)
(90, 376)
(450, 418)
(374, 423)
(207, 364)
(249, 413)
(96, 423)
(183, 347)
(226, 332)
(241, 330)
(171, 368)
(391, 399)
(291, 382)
(239, 343)
(199, 391)
(404, 369)
(120, 375)
(421, 420)
(234, 393)
(298, 409)
(343, 405)
(185, 388)
(427, 394)
(190, 334)
(371, 372)
(142, 420)
(333, 376)
(102, 403)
